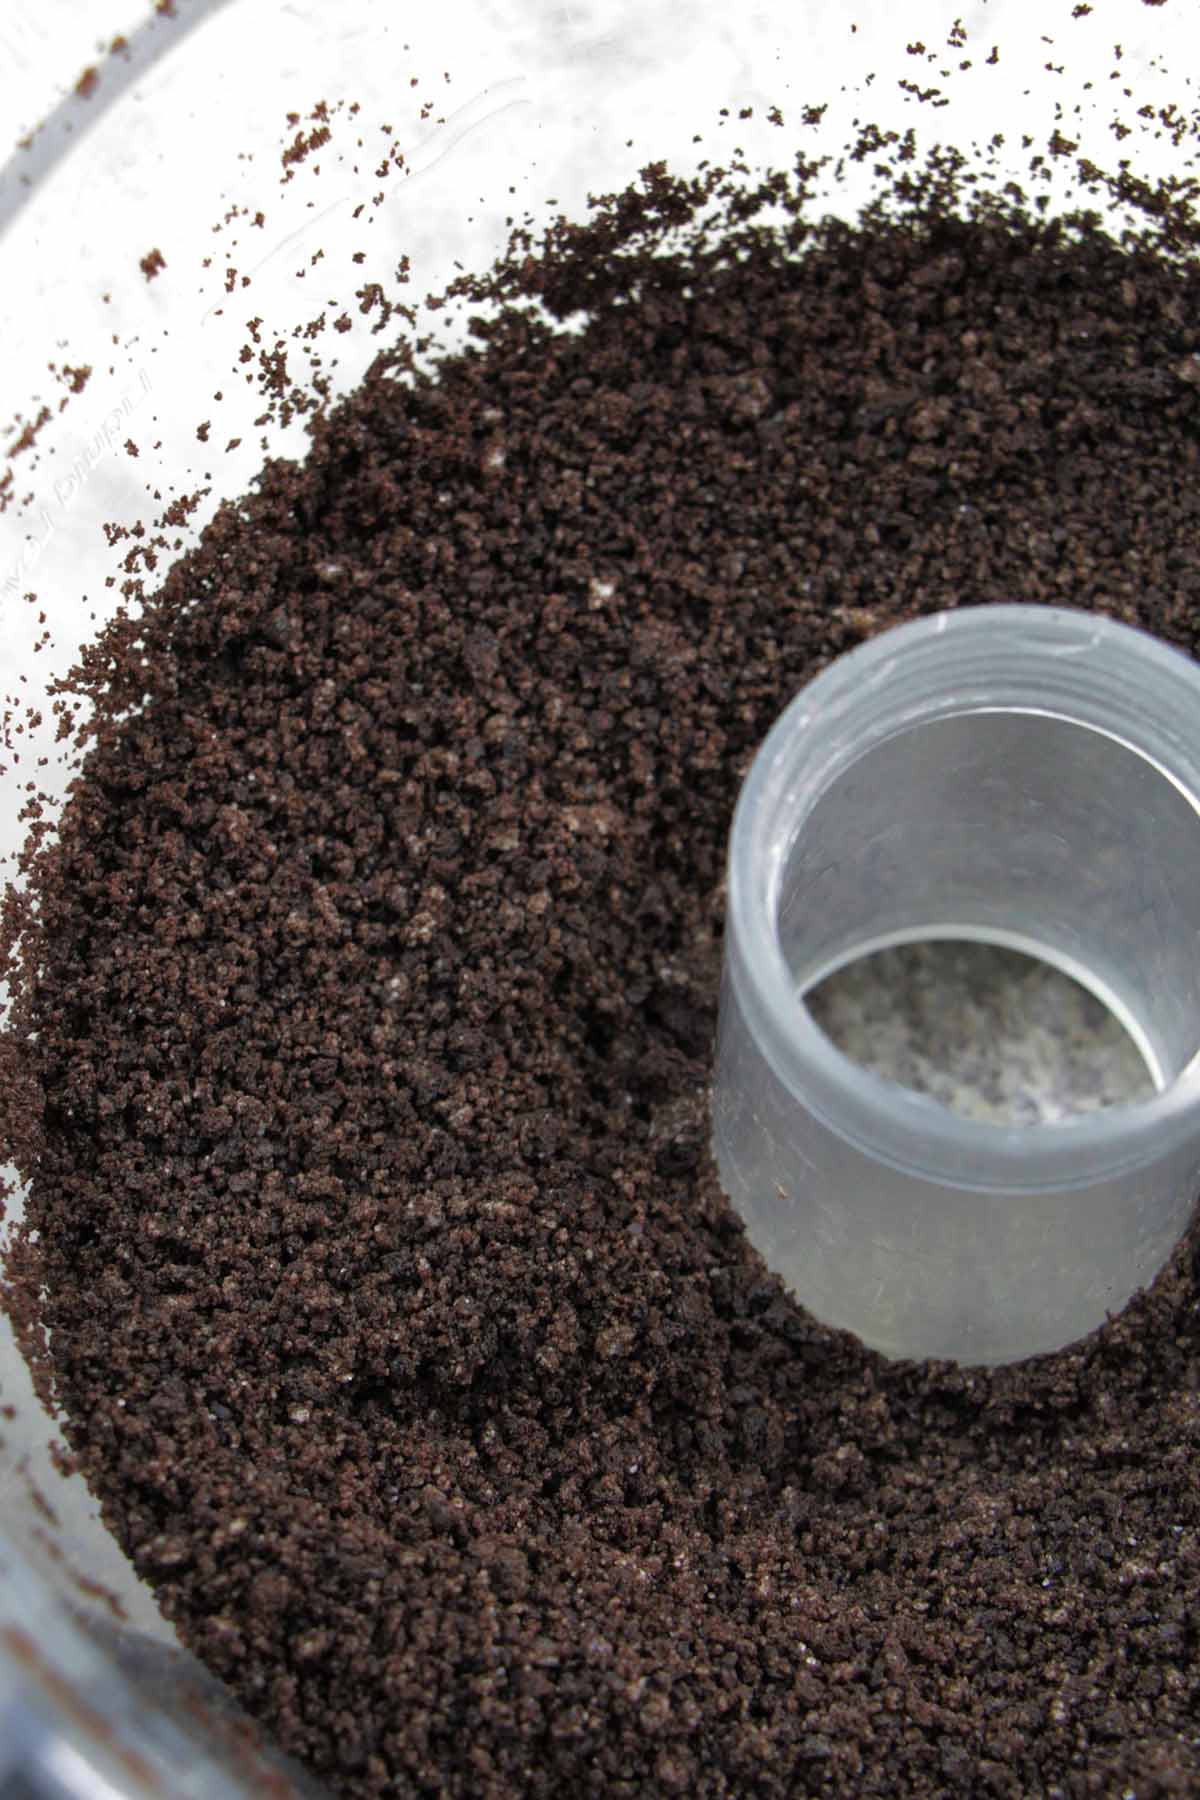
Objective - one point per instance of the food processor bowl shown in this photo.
(203, 213)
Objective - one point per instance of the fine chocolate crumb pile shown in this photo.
(365, 1024)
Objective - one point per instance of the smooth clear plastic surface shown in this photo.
(499, 108)
(1024, 776)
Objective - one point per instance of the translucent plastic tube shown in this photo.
(1018, 775)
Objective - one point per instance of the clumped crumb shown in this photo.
(27, 436)
(152, 264)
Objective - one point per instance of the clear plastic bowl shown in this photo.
(173, 142)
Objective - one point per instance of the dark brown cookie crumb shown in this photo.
(400, 1325)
